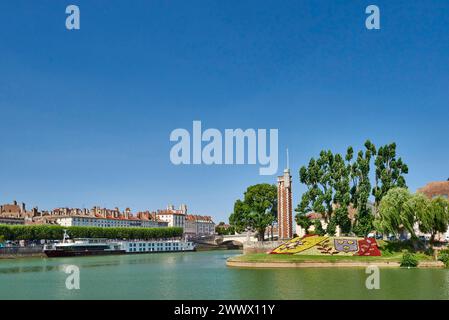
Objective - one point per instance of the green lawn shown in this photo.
(263, 257)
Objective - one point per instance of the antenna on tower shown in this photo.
(288, 161)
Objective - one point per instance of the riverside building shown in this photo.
(174, 217)
(108, 222)
(196, 225)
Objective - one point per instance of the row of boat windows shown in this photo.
(152, 244)
(152, 249)
(84, 248)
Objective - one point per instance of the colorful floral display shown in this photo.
(318, 245)
(368, 247)
(297, 245)
(346, 245)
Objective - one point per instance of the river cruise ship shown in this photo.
(94, 246)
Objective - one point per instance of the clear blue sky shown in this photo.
(86, 115)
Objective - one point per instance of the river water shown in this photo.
(204, 275)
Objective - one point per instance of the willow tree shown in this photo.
(393, 214)
(436, 217)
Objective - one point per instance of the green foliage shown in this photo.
(238, 219)
(409, 260)
(433, 216)
(399, 210)
(303, 221)
(327, 180)
(444, 257)
(317, 176)
(389, 172)
(334, 184)
(364, 223)
(257, 211)
(361, 188)
(331, 228)
(393, 214)
(40, 232)
(220, 229)
(319, 228)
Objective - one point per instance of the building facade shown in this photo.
(15, 213)
(174, 217)
(6, 220)
(80, 221)
(285, 226)
(196, 225)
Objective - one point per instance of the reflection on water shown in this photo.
(204, 275)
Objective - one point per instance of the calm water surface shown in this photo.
(204, 275)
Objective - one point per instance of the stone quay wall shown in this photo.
(260, 246)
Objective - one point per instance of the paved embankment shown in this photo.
(21, 252)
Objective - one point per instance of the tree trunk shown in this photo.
(432, 238)
(261, 234)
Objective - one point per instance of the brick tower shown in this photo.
(285, 205)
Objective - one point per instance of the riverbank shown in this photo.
(262, 260)
(22, 256)
(21, 252)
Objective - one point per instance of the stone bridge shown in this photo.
(237, 239)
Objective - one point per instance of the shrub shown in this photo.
(409, 260)
(444, 257)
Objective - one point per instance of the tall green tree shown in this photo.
(340, 174)
(304, 222)
(317, 177)
(390, 172)
(257, 211)
(238, 218)
(328, 191)
(361, 188)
